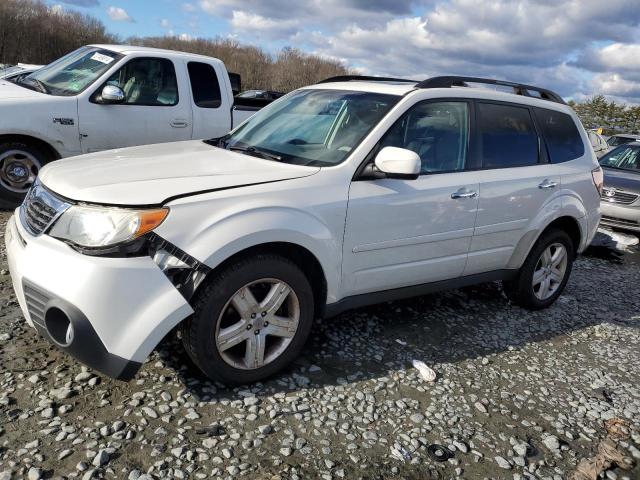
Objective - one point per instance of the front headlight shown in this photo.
(95, 226)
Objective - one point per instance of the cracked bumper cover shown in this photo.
(120, 308)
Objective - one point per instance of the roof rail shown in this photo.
(364, 78)
(518, 88)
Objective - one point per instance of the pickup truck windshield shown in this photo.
(72, 73)
(311, 127)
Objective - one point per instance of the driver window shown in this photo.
(436, 131)
(147, 81)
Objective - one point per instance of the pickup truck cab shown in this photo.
(348, 192)
(101, 97)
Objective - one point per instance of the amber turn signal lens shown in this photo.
(150, 219)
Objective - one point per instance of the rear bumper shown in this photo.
(620, 216)
(118, 308)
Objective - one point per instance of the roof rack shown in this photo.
(518, 88)
(364, 78)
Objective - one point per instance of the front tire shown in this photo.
(251, 320)
(544, 273)
(20, 164)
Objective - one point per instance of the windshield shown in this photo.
(615, 141)
(311, 127)
(72, 73)
(624, 157)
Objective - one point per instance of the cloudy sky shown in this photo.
(577, 47)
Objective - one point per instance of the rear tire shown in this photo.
(20, 164)
(545, 272)
(251, 320)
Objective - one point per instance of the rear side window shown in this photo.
(508, 137)
(560, 134)
(204, 85)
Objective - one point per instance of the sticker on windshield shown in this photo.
(102, 58)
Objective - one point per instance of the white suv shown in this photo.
(353, 191)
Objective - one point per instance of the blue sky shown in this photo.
(577, 47)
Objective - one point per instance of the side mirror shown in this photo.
(112, 95)
(397, 162)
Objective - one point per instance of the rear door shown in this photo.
(156, 108)
(211, 105)
(516, 182)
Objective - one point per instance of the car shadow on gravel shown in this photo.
(444, 328)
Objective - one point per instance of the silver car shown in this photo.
(620, 201)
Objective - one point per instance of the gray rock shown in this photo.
(101, 458)
(502, 463)
(551, 442)
(34, 473)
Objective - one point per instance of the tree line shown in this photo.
(612, 117)
(33, 32)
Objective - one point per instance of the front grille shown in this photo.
(36, 302)
(40, 209)
(616, 196)
(620, 221)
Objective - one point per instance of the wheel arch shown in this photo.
(567, 223)
(298, 254)
(35, 141)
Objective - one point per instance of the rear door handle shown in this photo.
(463, 193)
(179, 123)
(548, 184)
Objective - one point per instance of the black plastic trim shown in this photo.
(365, 78)
(518, 88)
(86, 345)
(356, 301)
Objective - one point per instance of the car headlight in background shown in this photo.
(94, 226)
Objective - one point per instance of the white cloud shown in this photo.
(567, 45)
(118, 14)
(164, 23)
(189, 7)
(257, 25)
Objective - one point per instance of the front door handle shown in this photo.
(463, 193)
(179, 123)
(548, 184)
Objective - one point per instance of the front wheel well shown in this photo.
(570, 226)
(299, 255)
(29, 140)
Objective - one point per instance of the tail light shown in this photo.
(598, 179)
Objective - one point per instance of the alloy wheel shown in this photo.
(550, 271)
(257, 324)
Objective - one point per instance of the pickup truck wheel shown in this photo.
(544, 273)
(250, 321)
(19, 167)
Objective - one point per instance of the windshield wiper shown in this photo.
(37, 83)
(257, 153)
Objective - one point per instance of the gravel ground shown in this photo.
(518, 395)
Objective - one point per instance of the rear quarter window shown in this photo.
(561, 135)
(204, 85)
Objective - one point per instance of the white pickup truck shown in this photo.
(101, 97)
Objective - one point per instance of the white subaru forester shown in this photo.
(353, 191)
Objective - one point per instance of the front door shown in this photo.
(153, 110)
(407, 232)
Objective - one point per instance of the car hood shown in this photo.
(622, 179)
(155, 174)
(11, 91)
